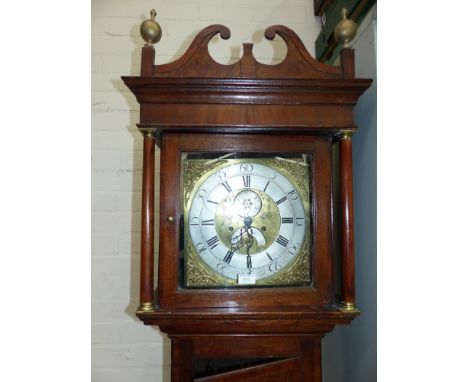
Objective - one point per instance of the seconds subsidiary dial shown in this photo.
(247, 221)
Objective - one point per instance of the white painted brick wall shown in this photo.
(123, 349)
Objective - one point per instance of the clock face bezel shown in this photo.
(170, 293)
(283, 256)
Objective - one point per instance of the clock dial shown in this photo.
(246, 221)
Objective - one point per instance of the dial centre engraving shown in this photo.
(247, 221)
(247, 203)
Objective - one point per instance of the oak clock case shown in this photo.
(255, 253)
(246, 220)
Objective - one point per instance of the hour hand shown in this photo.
(241, 232)
(236, 236)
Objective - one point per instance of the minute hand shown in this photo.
(248, 229)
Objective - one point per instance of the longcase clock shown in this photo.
(256, 258)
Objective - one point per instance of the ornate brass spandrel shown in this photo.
(198, 275)
(298, 273)
(193, 171)
(296, 170)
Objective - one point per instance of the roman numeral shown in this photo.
(249, 262)
(269, 256)
(282, 241)
(268, 183)
(287, 220)
(227, 186)
(228, 256)
(278, 202)
(208, 222)
(246, 179)
(213, 242)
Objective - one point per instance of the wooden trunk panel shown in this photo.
(245, 346)
(278, 371)
(278, 358)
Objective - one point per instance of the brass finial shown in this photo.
(346, 29)
(150, 30)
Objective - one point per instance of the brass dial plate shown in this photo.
(246, 217)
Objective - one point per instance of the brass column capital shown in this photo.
(151, 133)
(345, 134)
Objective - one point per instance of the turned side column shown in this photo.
(150, 30)
(147, 226)
(347, 220)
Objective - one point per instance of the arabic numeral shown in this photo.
(293, 195)
(202, 194)
(220, 267)
(220, 176)
(300, 222)
(200, 247)
(274, 267)
(246, 168)
(293, 248)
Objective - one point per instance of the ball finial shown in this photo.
(150, 30)
(346, 29)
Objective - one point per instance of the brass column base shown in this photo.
(348, 307)
(146, 307)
